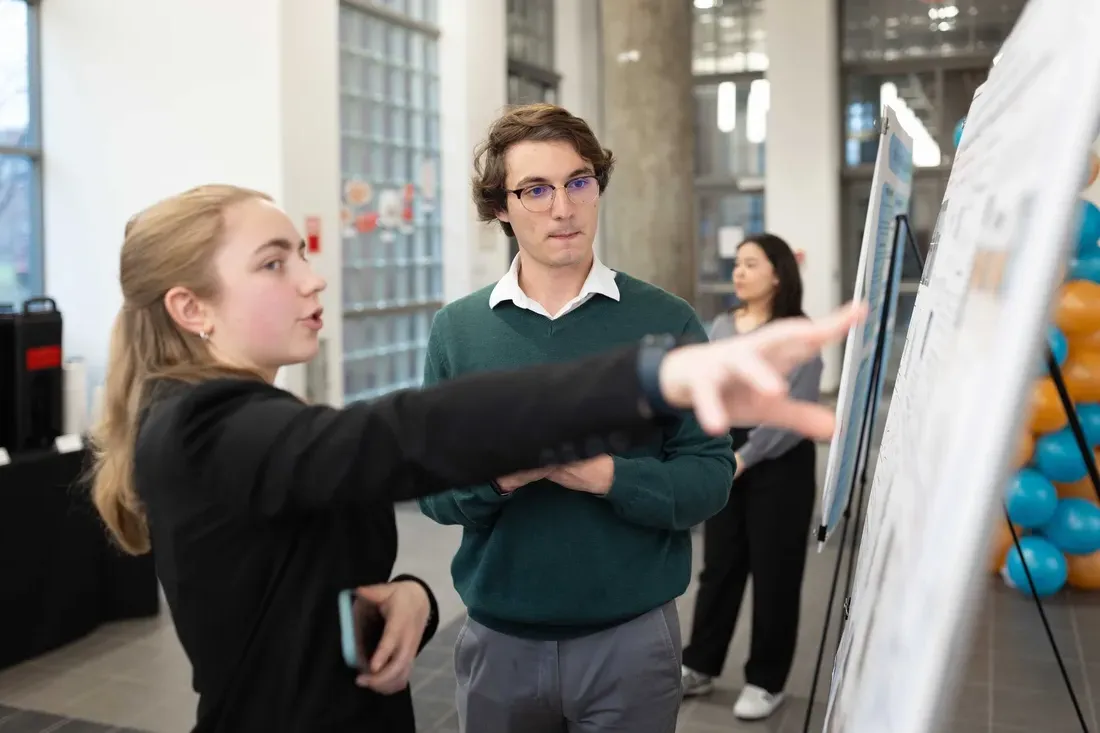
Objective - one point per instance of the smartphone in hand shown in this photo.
(361, 626)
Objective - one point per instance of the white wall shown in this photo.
(577, 58)
(309, 121)
(130, 116)
(802, 179)
(242, 92)
(145, 98)
(473, 92)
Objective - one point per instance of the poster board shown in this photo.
(978, 326)
(891, 188)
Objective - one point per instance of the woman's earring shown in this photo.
(204, 335)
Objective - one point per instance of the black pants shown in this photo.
(763, 531)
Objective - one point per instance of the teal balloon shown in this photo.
(1089, 415)
(959, 131)
(1074, 528)
(1058, 458)
(1088, 230)
(1031, 499)
(1045, 562)
(1086, 266)
(1058, 345)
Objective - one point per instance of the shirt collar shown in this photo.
(600, 281)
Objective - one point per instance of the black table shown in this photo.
(60, 575)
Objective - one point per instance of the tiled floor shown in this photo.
(134, 676)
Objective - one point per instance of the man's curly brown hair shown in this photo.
(538, 123)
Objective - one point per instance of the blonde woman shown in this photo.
(262, 508)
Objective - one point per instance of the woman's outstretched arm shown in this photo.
(265, 451)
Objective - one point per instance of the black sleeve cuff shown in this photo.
(650, 355)
(433, 614)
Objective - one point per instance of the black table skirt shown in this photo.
(60, 575)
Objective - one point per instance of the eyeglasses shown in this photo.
(540, 197)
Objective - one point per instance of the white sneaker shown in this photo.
(693, 683)
(756, 703)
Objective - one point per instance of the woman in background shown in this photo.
(763, 529)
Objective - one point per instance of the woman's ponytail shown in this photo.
(115, 437)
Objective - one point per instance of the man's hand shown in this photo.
(405, 606)
(593, 476)
(510, 483)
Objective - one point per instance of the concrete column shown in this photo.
(649, 123)
(802, 175)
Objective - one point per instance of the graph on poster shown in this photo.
(977, 328)
(891, 187)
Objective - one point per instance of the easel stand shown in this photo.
(858, 488)
(1094, 476)
(858, 498)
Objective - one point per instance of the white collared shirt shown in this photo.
(600, 281)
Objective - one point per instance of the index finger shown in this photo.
(814, 333)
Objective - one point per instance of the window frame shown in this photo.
(749, 14)
(544, 75)
(31, 150)
(849, 67)
(708, 292)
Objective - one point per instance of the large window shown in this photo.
(392, 240)
(732, 99)
(731, 119)
(924, 59)
(929, 103)
(725, 219)
(728, 37)
(885, 30)
(531, 74)
(20, 154)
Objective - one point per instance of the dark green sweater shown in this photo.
(548, 562)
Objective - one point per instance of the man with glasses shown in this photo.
(570, 574)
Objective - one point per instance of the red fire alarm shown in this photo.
(313, 234)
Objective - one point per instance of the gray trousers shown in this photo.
(622, 680)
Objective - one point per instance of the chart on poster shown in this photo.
(977, 328)
(877, 276)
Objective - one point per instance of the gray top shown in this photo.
(765, 443)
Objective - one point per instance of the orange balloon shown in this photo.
(1025, 449)
(1078, 309)
(1082, 375)
(1084, 342)
(1002, 543)
(1084, 571)
(1047, 414)
(1078, 490)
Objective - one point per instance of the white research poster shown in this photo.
(891, 186)
(977, 328)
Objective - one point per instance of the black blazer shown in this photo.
(261, 509)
